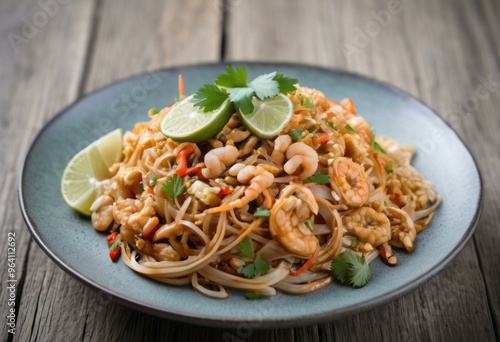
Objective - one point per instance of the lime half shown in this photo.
(185, 122)
(85, 171)
(269, 116)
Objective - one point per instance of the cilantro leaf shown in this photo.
(173, 187)
(319, 178)
(351, 269)
(248, 271)
(242, 98)
(246, 248)
(209, 97)
(265, 86)
(234, 78)
(285, 84)
(360, 274)
(261, 267)
(258, 268)
(339, 267)
(388, 168)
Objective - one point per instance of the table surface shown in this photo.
(53, 52)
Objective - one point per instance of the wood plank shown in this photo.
(55, 305)
(42, 51)
(135, 37)
(428, 51)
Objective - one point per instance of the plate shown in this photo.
(69, 239)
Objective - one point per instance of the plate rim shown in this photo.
(226, 321)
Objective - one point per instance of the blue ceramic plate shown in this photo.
(69, 239)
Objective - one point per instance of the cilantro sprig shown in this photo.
(351, 269)
(258, 267)
(234, 85)
(173, 187)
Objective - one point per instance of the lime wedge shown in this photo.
(185, 122)
(87, 168)
(269, 116)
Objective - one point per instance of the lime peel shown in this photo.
(185, 122)
(85, 171)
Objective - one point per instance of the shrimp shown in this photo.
(361, 126)
(368, 225)
(349, 181)
(281, 144)
(287, 221)
(300, 154)
(259, 179)
(355, 148)
(139, 216)
(403, 230)
(217, 159)
(102, 212)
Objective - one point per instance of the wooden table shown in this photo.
(52, 53)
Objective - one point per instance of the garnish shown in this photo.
(246, 248)
(319, 178)
(209, 97)
(388, 168)
(252, 295)
(296, 134)
(153, 112)
(309, 224)
(173, 187)
(258, 267)
(349, 128)
(376, 146)
(234, 85)
(262, 213)
(351, 269)
(334, 126)
(312, 129)
(306, 102)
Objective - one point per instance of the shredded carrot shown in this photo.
(181, 87)
(307, 265)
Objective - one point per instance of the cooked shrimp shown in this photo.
(403, 230)
(300, 154)
(259, 179)
(287, 221)
(102, 212)
(349, 181)
(217, 159)
(368, 225)
(361, 126)
(139, 216)
(355, 148)
(281, 144)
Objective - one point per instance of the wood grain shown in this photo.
(419, 48)
(438, 51)
(39, 74)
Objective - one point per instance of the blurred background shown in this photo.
(445, 53)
